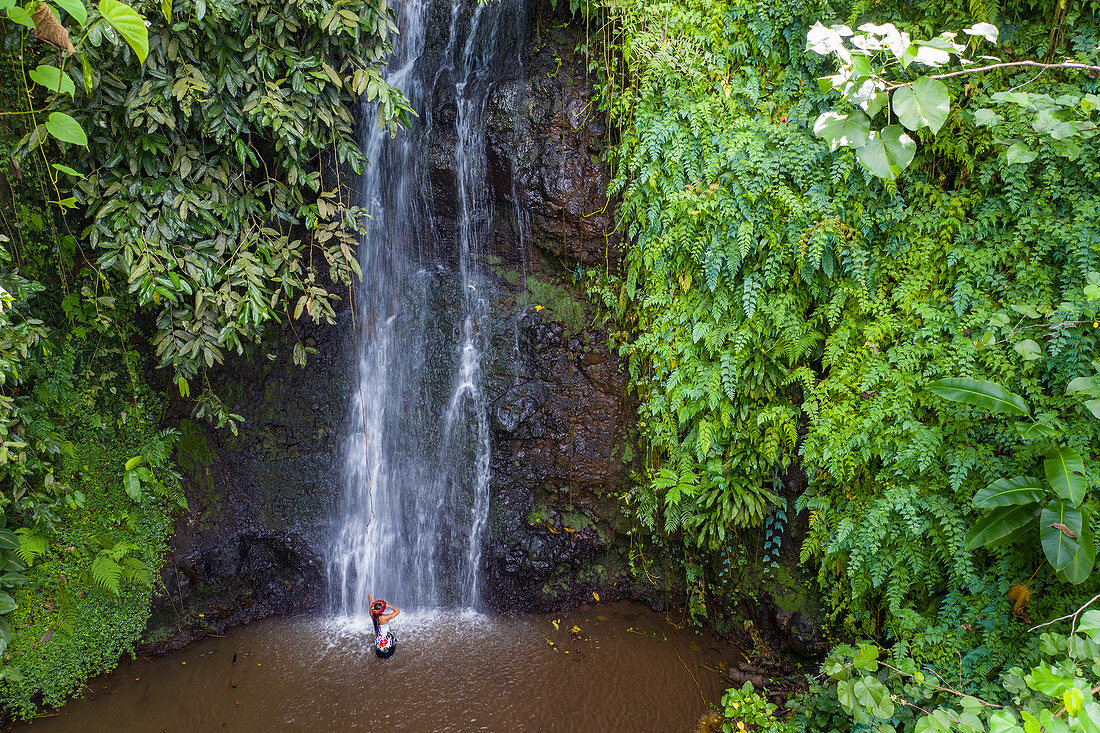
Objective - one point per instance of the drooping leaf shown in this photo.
(987, 395)
(987, 118)
(1033, 430)
(1000, 523)
(75, 8)
(86, 75)
(1065, 470)
(8, 540)
(1080, 567)
(53, 79)
(7, 603)
(924, 103)
(129, 24)
(1019, 153)
(1010, 492)
(1060, 530)
(866, 658)
(132, 484)
(67, 169)
(20, 15)
(1029, 349)
(849, 131)
(66, 129)
(887, 153)
(1090, 624)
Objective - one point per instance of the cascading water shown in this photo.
(417, 473)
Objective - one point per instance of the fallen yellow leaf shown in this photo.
(1021, 594)
(555, 623)
(539, 307)
(596, 595)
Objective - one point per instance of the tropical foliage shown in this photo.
(822, 247)
(174, 179)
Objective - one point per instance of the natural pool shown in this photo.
(628, 669)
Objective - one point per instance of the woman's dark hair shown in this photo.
(377, 608)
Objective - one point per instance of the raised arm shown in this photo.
(390, 614)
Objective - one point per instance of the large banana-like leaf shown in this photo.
(999, 523)
(1080, 567)
(1060, 530)
(1010, 492)
(1065, 471)
(987, 395)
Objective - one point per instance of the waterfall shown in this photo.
(416, 477)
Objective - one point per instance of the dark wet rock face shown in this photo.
(546, 137)
(249, 545)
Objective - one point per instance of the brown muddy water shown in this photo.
(627, 669)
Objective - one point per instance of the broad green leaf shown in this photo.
(67, 169)
(987, 118)
(1080, 567)
(8, 540)
(132, 485)
(988, 31)
(924, 103)
(1088, 385)
(20, 15)
(999, 523)
(987, 395)
(75, 9)
(849, 131)
(1093, 406)
(1010, 492)
(887, 153)
(66, 129)
(53, 79)
(1019, 153)
(166, 8)
(133, 463)
(1048, 680)
(1060, 531)
(1033, 430)
(1029, 349)
(129, 24)
(86, 74)
(1004, 721)
(1090, 624)
(1065, 470)
(7, 603)
(875, 104)
(1089, 719)
(866, 659)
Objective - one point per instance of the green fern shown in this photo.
(31, 546)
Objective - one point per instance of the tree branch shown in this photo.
(1006, 65)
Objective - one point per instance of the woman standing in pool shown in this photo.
(385, 643)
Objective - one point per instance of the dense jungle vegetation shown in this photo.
(882, 337)
(891, 335)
